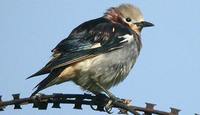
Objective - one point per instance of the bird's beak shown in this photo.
(146, 24)
(138, 26)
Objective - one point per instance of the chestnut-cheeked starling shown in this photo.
(99, 53)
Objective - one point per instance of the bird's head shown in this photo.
(128, 15)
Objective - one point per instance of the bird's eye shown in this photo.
(128, 19)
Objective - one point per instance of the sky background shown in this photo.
(167, 72)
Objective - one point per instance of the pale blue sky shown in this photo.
(167, 72)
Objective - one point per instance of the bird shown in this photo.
(99, 53)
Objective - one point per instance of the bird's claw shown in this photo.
(128, 103)
(38, 96)
(108, 107)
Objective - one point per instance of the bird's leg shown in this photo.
(108, 93)
(113, 98)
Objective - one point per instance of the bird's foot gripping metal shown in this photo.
(113, 99)
(38, 96)
(126, 102)
(108, 107)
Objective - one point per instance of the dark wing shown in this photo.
(79, 44)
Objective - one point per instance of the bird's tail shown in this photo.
(47, 81)
(43, 71)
